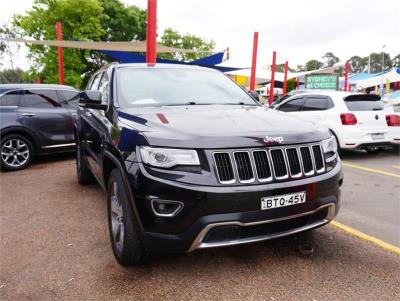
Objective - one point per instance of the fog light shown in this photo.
(166, 208)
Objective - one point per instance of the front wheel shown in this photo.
(123, 227)
(16, 152)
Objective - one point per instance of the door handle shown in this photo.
(28, 114)
(88, 114)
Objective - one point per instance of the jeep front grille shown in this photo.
(267, 165)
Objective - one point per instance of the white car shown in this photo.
(392, 110)
(358, 121)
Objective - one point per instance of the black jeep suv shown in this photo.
(189, 161)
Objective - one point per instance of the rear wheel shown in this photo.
(124, 230)
(85, 176)
(16, 152)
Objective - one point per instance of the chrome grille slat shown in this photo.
(294, 162)
(279, 164)
(269, 164)
(262, 166)
(318, 158)
(244, 167)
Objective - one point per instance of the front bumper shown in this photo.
(215, 216)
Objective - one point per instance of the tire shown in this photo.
(123, 227)
(16, 152)
(85, 176)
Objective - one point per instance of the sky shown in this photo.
(297, 30)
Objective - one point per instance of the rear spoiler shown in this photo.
(362, 97)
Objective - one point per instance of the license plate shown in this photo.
(378, 136)
(283, 200)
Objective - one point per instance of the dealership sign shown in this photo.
(322, 81)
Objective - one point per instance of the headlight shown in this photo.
(168, 157)
(329, 145)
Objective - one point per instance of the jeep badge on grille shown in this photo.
(278, 139)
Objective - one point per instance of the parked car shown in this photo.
(358, 121)
(35, 119)
(189, 160)
(392, 108)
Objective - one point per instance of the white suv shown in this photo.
(357, 120)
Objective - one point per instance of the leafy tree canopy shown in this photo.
(330, 59)
(91, 20)
(172, 38)
(81, 20)
(313, 65)
(15, 76)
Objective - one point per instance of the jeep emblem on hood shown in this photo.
(278, 139)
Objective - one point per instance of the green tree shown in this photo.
(376, 61)
(300, 68)
(173, 38)
(81, 20)
(358, 64)
(396, 61)
(291, 85)
(330, 59)
(124, 23)
(15, 76)
(8, 49)
(281, 68)
(313, 65)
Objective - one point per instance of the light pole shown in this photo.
(383, 53)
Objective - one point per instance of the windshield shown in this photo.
(364, 102)
(162, 87)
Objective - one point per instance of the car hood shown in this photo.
(217, 126)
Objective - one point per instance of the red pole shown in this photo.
(285, 78)
(227, 53)
(254, 63)
(346, 76)
(60, 54)
(37, 80)
(151, 36)
(297, 83)
(273, 68)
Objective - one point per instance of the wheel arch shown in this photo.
(110, 161)
(23, 132)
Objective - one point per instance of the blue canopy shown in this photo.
(209, 61)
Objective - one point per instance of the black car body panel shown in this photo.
(112, 138)
(238, 126)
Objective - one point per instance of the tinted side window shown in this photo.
(293, 105)
(72, 97)
(317, 103)
(40, 99)
(10, 99)
(96, 80)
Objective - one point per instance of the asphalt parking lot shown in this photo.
(55, 245)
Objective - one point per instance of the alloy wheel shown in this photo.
(117, 225)
(15, 152)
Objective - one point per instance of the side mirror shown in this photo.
(91, 100)
(255, 95)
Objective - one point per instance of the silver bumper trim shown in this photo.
(198, 244)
